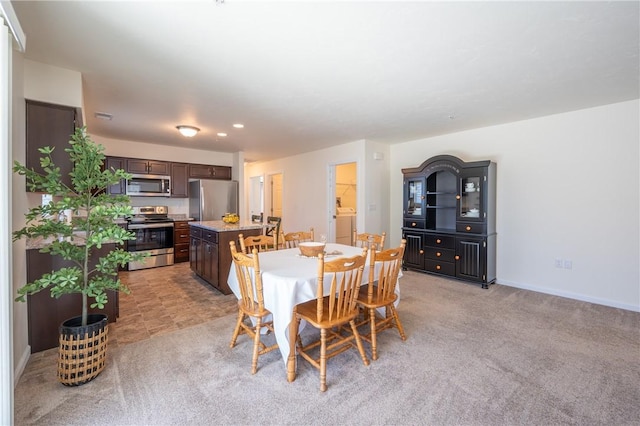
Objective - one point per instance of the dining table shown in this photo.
(288, 279)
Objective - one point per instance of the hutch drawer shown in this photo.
(443, 255)
(445, 268)
(471, 228)
(440, 241)
(414, 223)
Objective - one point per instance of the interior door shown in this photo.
(276, 194)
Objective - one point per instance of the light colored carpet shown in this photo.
(501, 356)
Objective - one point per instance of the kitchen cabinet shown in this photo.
(50, 125)
(195, 250)
(148, 167)
(179, 180)
(45, 313)
(181, 240)
(180, 173)
(204, 171)
(449, 218)
(116, 163)
(210, 259)
(210, 255)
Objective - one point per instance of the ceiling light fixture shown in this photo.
(238, 126)
(188, 131)
(222, 134)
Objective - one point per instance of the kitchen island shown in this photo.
(209, 253)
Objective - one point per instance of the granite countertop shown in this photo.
(220, 226)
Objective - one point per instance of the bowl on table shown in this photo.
(311, 249)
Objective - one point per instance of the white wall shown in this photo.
(306, 186)
(567, 187)
(375, 206)
(19, 206)
(51, 84)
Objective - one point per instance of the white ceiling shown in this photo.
(308, 75)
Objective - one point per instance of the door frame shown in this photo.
(331, 196)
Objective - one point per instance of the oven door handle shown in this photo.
(151, 225)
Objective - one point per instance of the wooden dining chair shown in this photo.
(330, 313)
(258, 242)
(274, 231)
(380, 292)
(370, 241)
(256, 218)
(292, 239)
(251, 303)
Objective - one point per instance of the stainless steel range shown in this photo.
(154, 235)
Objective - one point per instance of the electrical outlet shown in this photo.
(568, 264)
(558, 263)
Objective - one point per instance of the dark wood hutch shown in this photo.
(449, 218)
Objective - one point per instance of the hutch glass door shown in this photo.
(414, 198)
(470, 197)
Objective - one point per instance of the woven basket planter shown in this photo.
(83, 350)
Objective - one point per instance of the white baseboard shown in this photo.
(21, 365)
(569, 295)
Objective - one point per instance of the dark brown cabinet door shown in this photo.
(414, 252)
(471, 262)
(222, 172)
(179, 180)
(195, 255)
(50, 125)
(210, 263)
(137, 166)
(159, 168)
(116, 163)
(47, 313)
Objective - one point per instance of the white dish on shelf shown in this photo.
(470, 189)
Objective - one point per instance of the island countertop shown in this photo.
(220, 226)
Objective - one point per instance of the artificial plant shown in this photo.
(93, 223)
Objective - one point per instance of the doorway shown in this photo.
(346, 201)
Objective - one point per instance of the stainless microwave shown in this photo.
(149, 186)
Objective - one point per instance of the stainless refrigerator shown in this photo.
(211, 199)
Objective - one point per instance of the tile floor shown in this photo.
(162, 300)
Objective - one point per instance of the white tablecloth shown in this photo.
(289, 279)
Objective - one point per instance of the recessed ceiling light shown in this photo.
(222, 134)
(103, 115)
(188, 131)
(238, 126)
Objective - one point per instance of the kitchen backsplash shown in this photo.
(177, 206)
